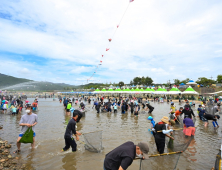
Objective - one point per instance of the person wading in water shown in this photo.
(160, 136)
(28, 120)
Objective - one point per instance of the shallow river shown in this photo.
(117, 129)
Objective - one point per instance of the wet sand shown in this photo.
(117, 129)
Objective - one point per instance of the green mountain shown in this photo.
(6, 80)
(20, 84)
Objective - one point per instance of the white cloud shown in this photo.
(24, 71)
(161, 39)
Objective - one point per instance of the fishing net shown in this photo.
(93, 141)
(209, 109)
(217, 162)
(172, 153)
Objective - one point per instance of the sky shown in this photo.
(62, 41)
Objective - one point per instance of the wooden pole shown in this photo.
(179, 129)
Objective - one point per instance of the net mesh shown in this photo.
(217, 162)
(93, 141)
(173, 150)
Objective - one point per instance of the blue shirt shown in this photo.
(153, 123)
(201, 112)
(14, 110)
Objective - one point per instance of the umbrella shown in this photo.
(191, 82)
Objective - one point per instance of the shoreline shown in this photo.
(7, 161)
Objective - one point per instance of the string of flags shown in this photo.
(107, 49)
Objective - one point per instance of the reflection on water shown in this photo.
(117, 129)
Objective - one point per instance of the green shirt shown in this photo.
(69, 106)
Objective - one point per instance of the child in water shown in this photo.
(152, 125)
(115, 108)
(13, 110)
(177, 114)
(172, 111)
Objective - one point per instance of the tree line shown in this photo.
(201, 81)
(148, 81)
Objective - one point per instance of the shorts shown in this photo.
(189, 131)
(20, 135)
(68, 110)
(203, 119)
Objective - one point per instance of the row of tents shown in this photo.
(173, 91)
(160, 90)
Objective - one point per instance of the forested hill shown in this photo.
(6, 80)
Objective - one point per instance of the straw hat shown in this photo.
(172, 122)
(165, 119)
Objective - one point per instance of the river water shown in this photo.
(117, 129)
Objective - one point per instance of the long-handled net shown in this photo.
(173, 150)
(93, 141)
(218, 161)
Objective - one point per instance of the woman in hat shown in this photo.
(161, 132)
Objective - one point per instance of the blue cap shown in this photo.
(150, 118)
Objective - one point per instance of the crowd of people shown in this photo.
(121, 157)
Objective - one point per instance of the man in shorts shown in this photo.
(28, 120)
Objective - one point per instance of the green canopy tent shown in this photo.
(174, 91)
(97, 91)
(118, 91)
(190, 90)
(160, 91)
(147, 90)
